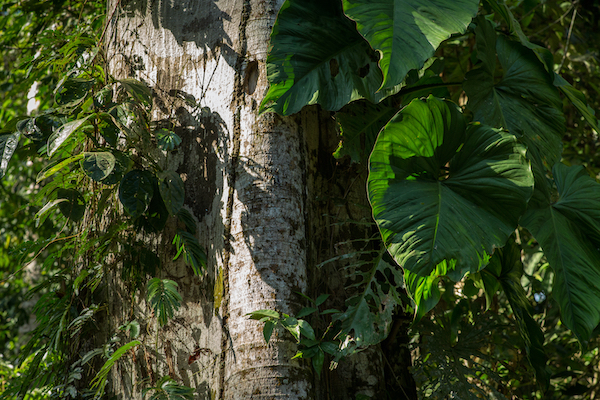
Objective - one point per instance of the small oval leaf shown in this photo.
(98, 165)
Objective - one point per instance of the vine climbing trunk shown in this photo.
(255, 185)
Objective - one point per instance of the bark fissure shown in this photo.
(237, 103)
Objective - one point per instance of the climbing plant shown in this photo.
(464, 162)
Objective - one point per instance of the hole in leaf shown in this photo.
(334, 67)
(363, 71)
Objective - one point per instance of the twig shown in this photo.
(568, 39)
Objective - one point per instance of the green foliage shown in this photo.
(450, 181)
(441, 190)
(168, 389)
(407, 33)
(99, 381)
(164, 298)
(311, 345)
(81, 192)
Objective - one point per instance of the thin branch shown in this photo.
(568, 40)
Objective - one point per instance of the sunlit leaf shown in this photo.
(317, 57)
(62, 134)
(407, 32)
(525, 101)
(442, 190)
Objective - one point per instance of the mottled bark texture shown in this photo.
(266, 194)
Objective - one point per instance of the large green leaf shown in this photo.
(407, 32)
(525, 101)
(316, 56)
(545, 56)
(74, 206)
(442, 190)
(569, 233)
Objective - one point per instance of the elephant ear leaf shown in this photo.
(316, 56)
(407, 32)
(443, 190)
(525, 101)
(569, 232)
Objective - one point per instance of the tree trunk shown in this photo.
(263, 189)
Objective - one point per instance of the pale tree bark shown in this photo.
(263, 190)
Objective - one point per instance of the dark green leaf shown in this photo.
(317, 361)
(268, 330)
(508, 259)
(74, 206)
(443, 191)
(188, 219)
(135, 192)
(193, 254)
(167, 140)
(525, 101)
(172, 190)
(321, 299)
(568, 233)
(122, 164)
(138, 90)
(330, 347)
(73, 91)
(98, 165)
(318, 57)
(305, 311)
(407, 32)
(306, 330)
(360, 123)
(578, 100)
(163, 298)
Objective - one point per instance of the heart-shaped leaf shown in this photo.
(136, 191)
(407, 32)
(441, 190)
(98, 165)
(316, 56)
